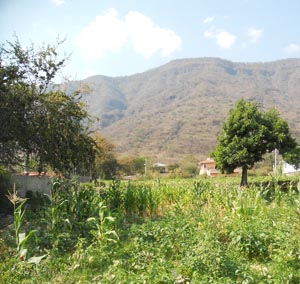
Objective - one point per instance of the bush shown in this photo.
(5, 184)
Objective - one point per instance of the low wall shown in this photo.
(36, 183)
(40, 184)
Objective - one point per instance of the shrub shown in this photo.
(5, 185)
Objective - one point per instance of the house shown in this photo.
(288, 169)
(160, 167)
(208, 167)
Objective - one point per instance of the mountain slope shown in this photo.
(177, 109)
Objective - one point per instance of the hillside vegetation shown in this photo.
(177, 109)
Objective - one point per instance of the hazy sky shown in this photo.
(123, 37)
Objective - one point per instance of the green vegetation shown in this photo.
(248, 134)
(106, 164)
(37, 120)
(142, 231)
(158, 231)
(4, 186)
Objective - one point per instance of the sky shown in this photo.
(124, 37)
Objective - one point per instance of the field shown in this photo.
(156, 231)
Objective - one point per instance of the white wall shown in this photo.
(287, 168)
(40, 184)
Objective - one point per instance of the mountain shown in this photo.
(177, 109)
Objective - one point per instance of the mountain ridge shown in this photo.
(177, 109)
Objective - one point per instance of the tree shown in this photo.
(189, 165)
(13, 106)
(132, 165)
(106, 164)
(248, 134)
(37, 118)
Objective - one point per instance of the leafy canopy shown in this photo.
(36, 118)
(247, 134)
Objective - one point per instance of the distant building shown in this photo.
(208, 167)
(288, 169)
(161, 168)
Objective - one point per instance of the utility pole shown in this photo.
(276, 160)
(145, 166)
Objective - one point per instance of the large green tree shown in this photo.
(36, 118)
(247, 134)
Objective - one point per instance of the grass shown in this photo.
(162, 231)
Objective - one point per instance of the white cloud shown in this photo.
(106, 33)
(58, 2)
(208, 20)
(254, 34)
(109, 34)
(223, 38)
(292, 48)
(147, 38)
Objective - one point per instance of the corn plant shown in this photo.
(129, 199)
(22, 238)
(100, 224)
(114, 195)
(71, 204)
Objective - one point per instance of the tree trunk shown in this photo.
(244, 181)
